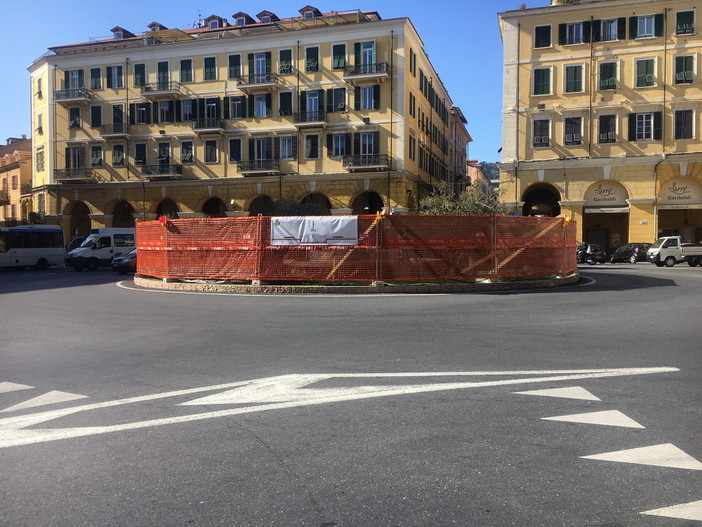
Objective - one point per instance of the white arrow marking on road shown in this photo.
(607, 418)
(684, 511)
(574, 392)
(12, 387)
(286, 391)
(53, 397)
(666, 455)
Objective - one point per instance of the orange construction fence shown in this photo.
(388, 248)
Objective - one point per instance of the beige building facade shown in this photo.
(341, 110)
(602, 116)
(15, 180)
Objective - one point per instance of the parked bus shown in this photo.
(31, 245)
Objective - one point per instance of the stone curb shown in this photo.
(150, 283)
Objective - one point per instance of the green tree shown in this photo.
(288, 207)
(474, 200)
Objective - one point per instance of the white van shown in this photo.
(100, 247)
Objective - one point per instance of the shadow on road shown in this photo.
(12, 281)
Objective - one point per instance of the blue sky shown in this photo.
(461, 37)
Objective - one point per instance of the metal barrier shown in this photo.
(389, 248)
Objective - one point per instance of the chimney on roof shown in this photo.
(13, 140)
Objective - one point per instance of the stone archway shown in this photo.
(261, 205)
(123, 215)
(367, 203)
(214, 208)
(80, 219)
(168, 208)
(606, 215)
(318, 201)
(541, 199)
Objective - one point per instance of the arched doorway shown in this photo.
(317, 200)
(541, 200)
(123, 215)
(680, 209)
(80, 219)
(261, 205)
(167, 208)
(367, 203)
(606, 215)
(214, 208)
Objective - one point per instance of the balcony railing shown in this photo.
(259, 166)
(72, 95)
(208, 124)
(310, 118)
(367, 161)
(119, 129)
(376, 70)
(73, 174)
(257, 80)
(4, 197)
(161, 170)
(161, 89)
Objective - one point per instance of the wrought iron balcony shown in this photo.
(74, 174)
(72, 96)
(376, 71)
(161, 90)
(114, 130)
(4, 197)
(314, 118)
(259, 166)
(210, 124)
(367, 162)
(165, 170)
(257, 82)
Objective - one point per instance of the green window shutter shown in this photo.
(376, 97)
(632, 127)
(621, 28)
(657, 126)
(303, 101)
(269, 109)
(659, 21)
(81, 79)
(234, 66)
(109, 77)
(357, 98)
(357, 53)
(268, 61)
(633, 27)
(251, 63)
(251, 102)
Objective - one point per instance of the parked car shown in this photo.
(125, 264)
(631, 252)
(591, 253)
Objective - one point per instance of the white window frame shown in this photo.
(534, 39)
(367, 97)
(96, 162)
(117, 80)
(550, 81)
(216, 68)
(288, 139)
(616, 128)
(318, 146)
(216, 151)
(617, 69)
(694, 122)
(580, 65)
(183, 160)
(611, 23)
(655, 72)
(652, 19)
(338, 145)
(646, 120)
(694, 68)
(580, 133)
(550, 131)
(119, 162)
(260, 108)
(180, 69)
(573, 25)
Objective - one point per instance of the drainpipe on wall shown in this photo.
(655, 198)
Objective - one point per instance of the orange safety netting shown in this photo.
(389, 248)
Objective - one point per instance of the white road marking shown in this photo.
(575, 392)
(286, 391)
(53, 397)
(666, 455)
(13, 387)
(684, 511)
(607, 418)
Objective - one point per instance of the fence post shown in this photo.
(378, 252)
(493, 246)
(259, 251)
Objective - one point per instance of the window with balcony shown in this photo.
(338, 56)
(260, 149)
(542, 37)
(607, 129)
(684, 22)
(211, 151)
(95, 79)
(113, 74)
(73, 80)
(542, 81)
(573, 130)
(542, 134)
(234, 70)
(210, 69)
(285, 66)
(683, 124)
(186, 70)
(574, 79)
(118, 155)
(311, 59)
(235, 150)
(339, 145)
(645, 73)
(163, 76)
(139, 75)
(684, 69)
(96, 156)
(187, 153)
(608, 75)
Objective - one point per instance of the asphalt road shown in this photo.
(398, 410)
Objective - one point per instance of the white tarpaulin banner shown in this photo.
(314, 230)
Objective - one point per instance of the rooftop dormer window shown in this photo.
(266, 20)
(308, 14)
(241, 21)
(119, 35)
(214, 24)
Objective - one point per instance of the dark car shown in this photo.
(591, 253)
(125, 264)
(631, 252)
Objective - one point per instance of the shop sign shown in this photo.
(682, 193)
(606, 194)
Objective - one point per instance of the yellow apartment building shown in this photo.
(602, 115)
(343, 110)
(15, 179)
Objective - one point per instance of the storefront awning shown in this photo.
(606, 210)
